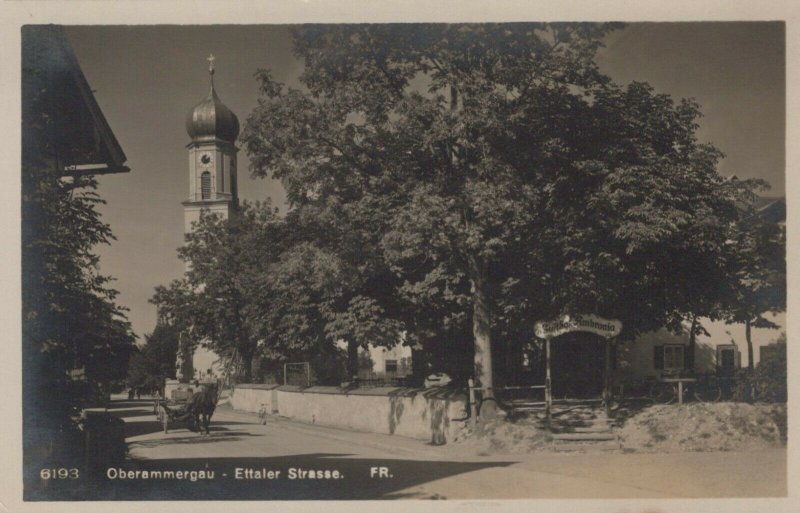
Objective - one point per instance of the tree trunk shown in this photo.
(352, 360)
(481, 323)
(247, 367)
(247, 376)
(750, 365)
(185, 363)
(419, 365)
(692, 344)
(509, 372)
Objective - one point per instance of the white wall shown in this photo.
(379, 355)
(431, 414)
(251, 398)
(635, 358)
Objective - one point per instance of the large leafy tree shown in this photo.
(154, 363)
(228, 261)
(260, 285)
(758, 268)
(76, 338)
(331, 283)
(489, 176)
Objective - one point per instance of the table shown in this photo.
(678, 382)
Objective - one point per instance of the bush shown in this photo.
(768, 382)
(771, 373)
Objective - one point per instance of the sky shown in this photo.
(147, 78)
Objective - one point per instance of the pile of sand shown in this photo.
(502, 436)
(704, 427)
(657, 428)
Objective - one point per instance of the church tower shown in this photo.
(213, 130)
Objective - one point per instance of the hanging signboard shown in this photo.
(581, 322)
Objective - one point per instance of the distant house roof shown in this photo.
(56, 96)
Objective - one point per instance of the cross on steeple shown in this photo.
(210, 60)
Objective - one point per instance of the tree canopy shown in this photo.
(490, 175)
(450, 185)
(258, 285)
(227, 261)
(154, 363)
(76, 338)
(757, 269)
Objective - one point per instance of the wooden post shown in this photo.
(548, 391)
(473, 407)
(607, 378)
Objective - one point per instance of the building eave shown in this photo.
(83, 140)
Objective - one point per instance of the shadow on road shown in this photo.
(142, 428)
(356, 481)
(138, 427)
(361, 478)
(135, 403)
(127, 414)
(217, 435)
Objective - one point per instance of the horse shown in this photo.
(201, 407)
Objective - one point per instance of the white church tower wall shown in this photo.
(213, 129)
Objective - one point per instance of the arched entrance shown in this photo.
(583, 365)
(577, 366)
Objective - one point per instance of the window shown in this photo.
(668, 357)
(673, 357)
(728, 359)
(205, 185)
(391, 366)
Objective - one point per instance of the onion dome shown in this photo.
(211, 119)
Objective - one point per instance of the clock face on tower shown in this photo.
(206, 159)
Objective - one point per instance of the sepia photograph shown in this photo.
(404, 261)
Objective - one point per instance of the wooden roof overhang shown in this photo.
(79, 138)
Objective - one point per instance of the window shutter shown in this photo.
(205, 185)
(658, 357)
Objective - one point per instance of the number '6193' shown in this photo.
(59, 473)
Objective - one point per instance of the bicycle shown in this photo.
(703, 389)
(662, 392)
(682, 387)
(706, 389)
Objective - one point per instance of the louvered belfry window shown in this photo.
(205, 185)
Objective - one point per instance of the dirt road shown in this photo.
(288, 460)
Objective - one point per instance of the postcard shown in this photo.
(534, 261)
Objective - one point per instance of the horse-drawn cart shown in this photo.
(172, 411)
(185, 405)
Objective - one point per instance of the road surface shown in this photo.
(244, 460)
